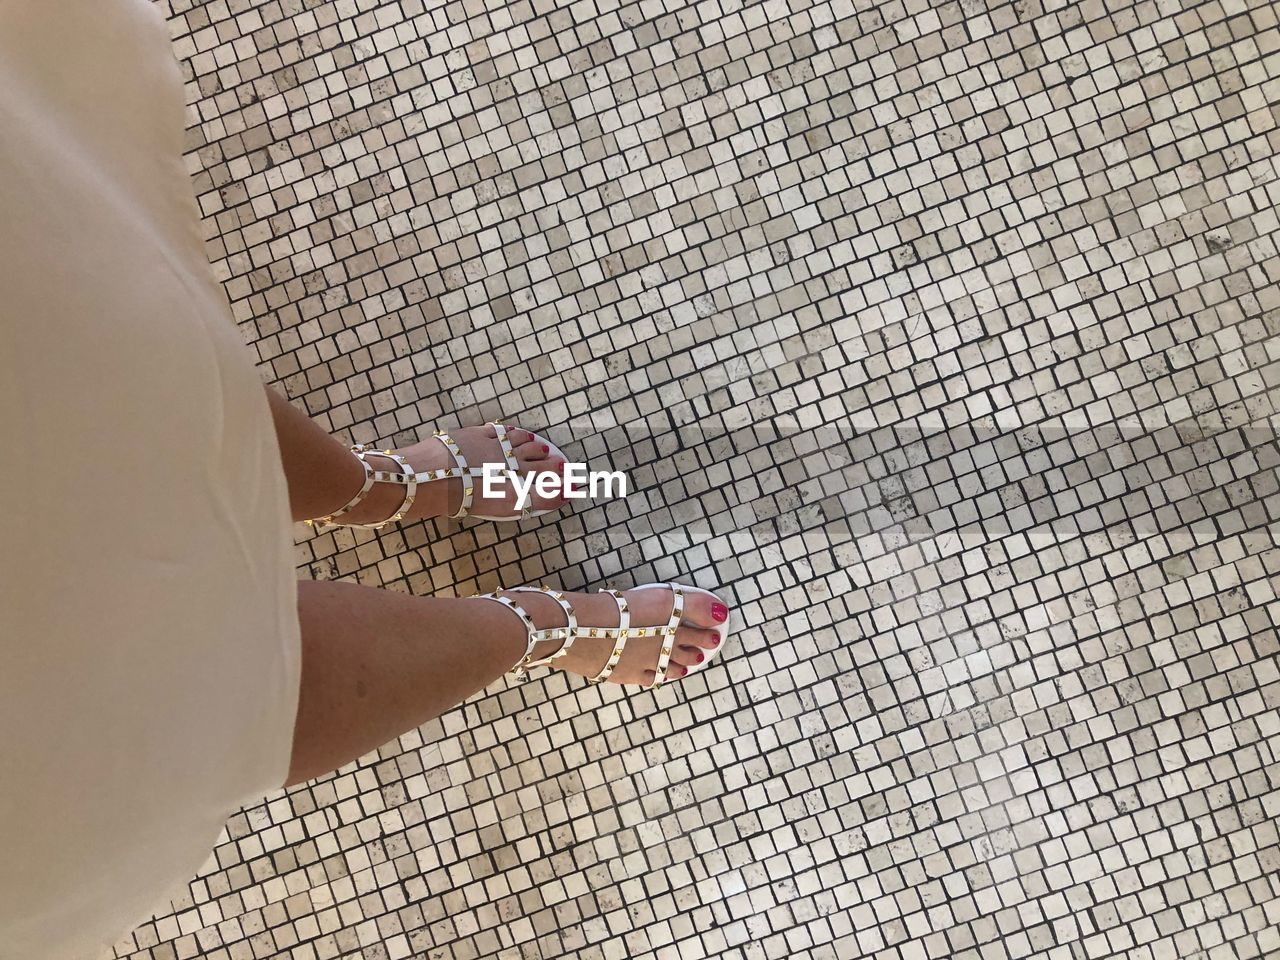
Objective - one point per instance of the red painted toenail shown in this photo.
(719, 612)
(715, 641)
(684, 671)
(701, 658)
(545, 448)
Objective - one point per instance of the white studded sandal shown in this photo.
(570, 631)
(410, 481)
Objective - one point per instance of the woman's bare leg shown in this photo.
(376, 664)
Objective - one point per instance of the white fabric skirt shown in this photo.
(148, 622)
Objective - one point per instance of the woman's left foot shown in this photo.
(449, 482)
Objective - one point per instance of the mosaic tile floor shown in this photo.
(940, 337)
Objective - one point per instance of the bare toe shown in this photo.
(705, 611)
(518, 436)
(674, 672)
(687, 656)
(699, 640)
(531, 451)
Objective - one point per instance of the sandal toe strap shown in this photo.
(460, 470)
(509, 457)
(668, 635)
(619, 634)
(508, 452)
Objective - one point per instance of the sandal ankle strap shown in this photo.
(524, 618)
(566, 634)
(325, 522)
(406, 478)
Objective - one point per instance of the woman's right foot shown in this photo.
(698, 635)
